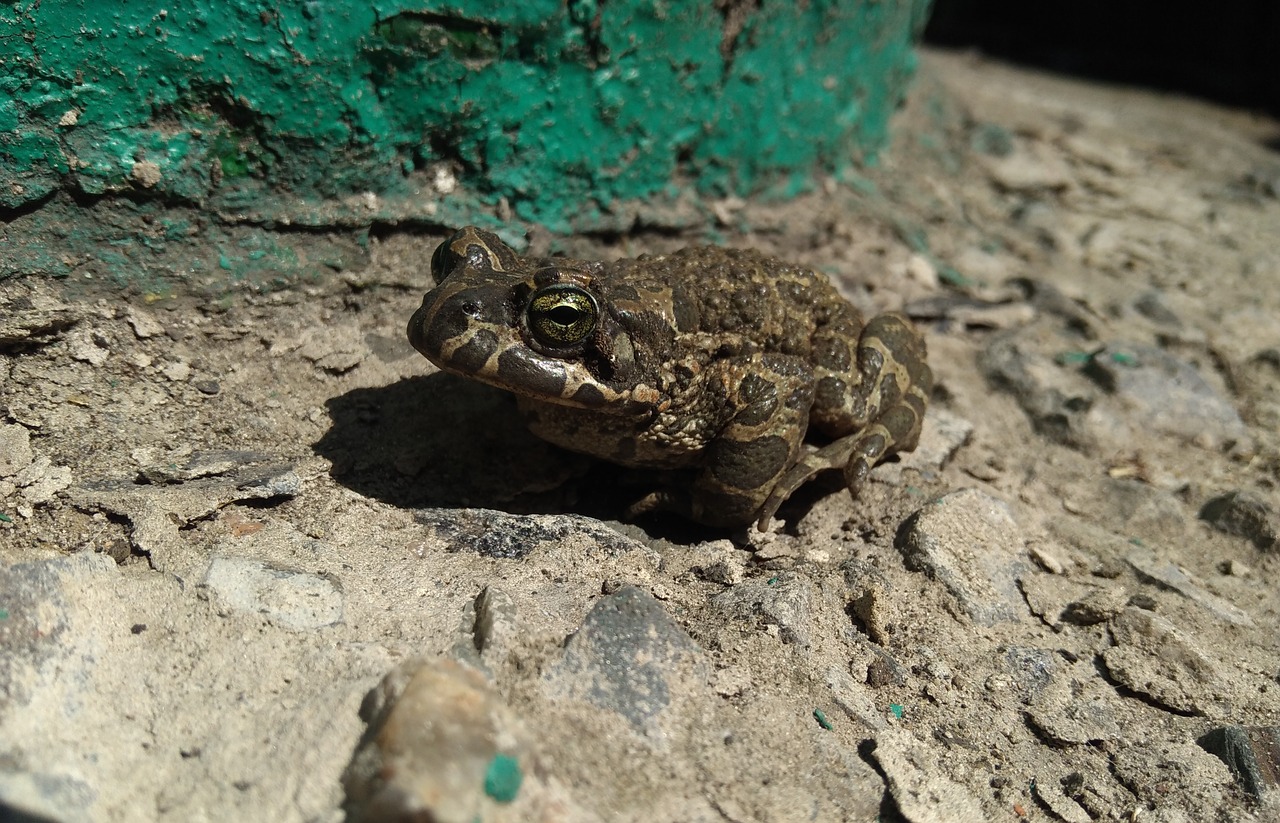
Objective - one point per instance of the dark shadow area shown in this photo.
(1227, 52)
(443, 441)
(440, 440)
(12, 814)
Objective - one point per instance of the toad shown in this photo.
(713, 361)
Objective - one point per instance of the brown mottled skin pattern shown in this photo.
(716, 360)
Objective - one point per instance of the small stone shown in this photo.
(923, 271)
(177, 371)
(41, 480)
(289, 599)
(489, 630)
(775, 554)
(854, 700)
(340, 362)
(143, 323)
(1153, 768)
(1167, 394)
(1047, 559)
(784, 601)
(1098, 606)
(629, 657)
(1243, 514)
(969, 542)
(883, 670)
(159, 468)
(1030, 669)
(84, 346)
(1166, 574)
(209, 387)
(1076, 707)
(145, 173)
(267, 482)
(1030, 168)
(1235, 568)
(1153, 658)
(443, 179)
(992, 315)
(507, 536)
(919, 785)
(943, 433)
(1050, 793)
(1252, 753)
(439, 741)
(15, 449)
(725, 566)
(731, 681)
(874, 613)
(42, 796)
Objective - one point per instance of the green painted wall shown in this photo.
(277, 110)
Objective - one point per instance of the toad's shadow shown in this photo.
(443, 441)
(440, 440)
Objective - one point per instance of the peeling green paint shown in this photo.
(562, 109)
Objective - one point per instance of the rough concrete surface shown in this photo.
(258, 562)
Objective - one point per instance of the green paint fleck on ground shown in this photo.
(5, 518)
(502, 779)
(896, 710)
(1072, 358)
(1124, 359)
(821, 716)
(951, 276)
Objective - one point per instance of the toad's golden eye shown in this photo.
(561, 315)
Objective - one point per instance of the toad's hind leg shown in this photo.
(767, 397)
(878, 416)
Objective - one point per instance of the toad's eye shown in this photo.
(561, 315)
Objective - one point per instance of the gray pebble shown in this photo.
(42, 797)
(490, 628)
(509, 536)
(289, 599)
(203, 464)
(1166, 393)
(783, 600)
(15, 449)
(1056, 401)
(919, 786)
(1169, 576)
(1098, 606)
(631, 658)
(1075, 708)
(968, 541)
(1153, 658)
(1243, 514)
(1150, 768)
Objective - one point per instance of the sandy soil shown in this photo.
(227, 516)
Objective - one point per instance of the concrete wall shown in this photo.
(337, 112)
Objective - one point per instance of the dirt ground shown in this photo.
(227, 516)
